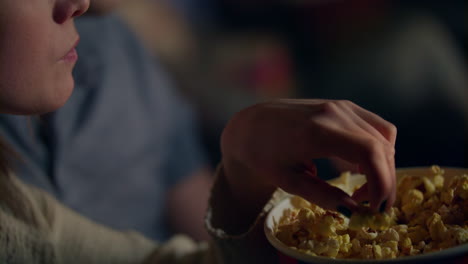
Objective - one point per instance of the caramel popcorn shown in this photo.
(430, 214)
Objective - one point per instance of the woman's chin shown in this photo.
(38, 104)
(44, 109)
(60, 96)
(37, 109)
(55, 103)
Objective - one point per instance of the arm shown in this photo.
(272, 145)
(187, 204)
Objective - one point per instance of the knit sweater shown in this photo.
(36, 228)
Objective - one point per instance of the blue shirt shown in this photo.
(121, 141)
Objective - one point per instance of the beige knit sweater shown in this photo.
(36, 228)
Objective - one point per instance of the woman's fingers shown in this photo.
(372, 157)
(392, 196)
(286, 133)
(361, 137)
(380, 177)
(381, 130)
(361, 195)
(367, 123)
(320, 192)
(387, 129)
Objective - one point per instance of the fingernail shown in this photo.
(383, 205)
(344, 211)
(365, 202)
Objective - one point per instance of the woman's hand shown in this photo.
(272, 145)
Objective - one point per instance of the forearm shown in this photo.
(190, 198)
(239, 240)
(243, 196)
(246, 192)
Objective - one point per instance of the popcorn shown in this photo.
(446, 196)
(366, 234)
(411, 202)
(428, 186)
(367, 252)
(389, 234)
(355, 245)
(418, 233)
(432, 213)
(388, 253)
(392, 245)
(406, 246)
(461, 187)
(436, 227)
(374, 221)
(458, 234)
(438, 182)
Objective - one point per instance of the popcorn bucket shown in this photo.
(287, 255)
(285, 259)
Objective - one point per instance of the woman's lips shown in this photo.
(72, 55)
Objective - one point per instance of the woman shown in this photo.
(265, 146)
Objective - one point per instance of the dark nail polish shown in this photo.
(344, 211)
(365, 202)
(383, 205)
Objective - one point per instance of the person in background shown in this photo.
(124, 150)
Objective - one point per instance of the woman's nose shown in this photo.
(68, 9)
